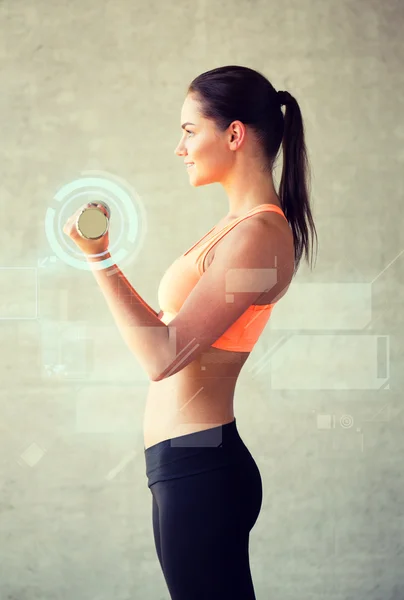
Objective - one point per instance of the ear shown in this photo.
(237, 134)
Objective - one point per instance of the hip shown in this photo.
(210, 449)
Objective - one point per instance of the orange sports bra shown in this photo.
(180, 278)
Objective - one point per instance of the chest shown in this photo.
(182, 276)
(219, 227)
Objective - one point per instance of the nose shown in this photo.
(179, 151)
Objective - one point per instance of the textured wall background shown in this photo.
(97, 86)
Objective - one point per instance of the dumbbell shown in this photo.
(92, 222)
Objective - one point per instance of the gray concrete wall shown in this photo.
(97, 87)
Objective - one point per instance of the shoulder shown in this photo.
(260, 236)
(258, 248)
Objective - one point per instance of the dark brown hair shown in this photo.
(231, 93)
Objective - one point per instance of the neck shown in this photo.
(246, 189)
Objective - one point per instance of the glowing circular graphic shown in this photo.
(97, 187)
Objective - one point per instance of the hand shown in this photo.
(88, 246)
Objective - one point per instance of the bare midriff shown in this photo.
(200, 396)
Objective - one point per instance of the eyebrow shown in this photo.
(185, 124)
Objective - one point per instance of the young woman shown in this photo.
(216, 299)
(206, 486)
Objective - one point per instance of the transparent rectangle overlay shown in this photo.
(337, 362)
(324, 306)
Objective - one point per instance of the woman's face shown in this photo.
(202, 144)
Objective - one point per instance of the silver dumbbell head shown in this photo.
(93, 224)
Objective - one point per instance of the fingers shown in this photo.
(103, 209)
(95, 205)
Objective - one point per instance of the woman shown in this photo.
(216, 299)
(206, 487)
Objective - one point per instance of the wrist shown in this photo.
(95, 258)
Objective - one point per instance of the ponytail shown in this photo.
(293, 188)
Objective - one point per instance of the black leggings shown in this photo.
(207, 495)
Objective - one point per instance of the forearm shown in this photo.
(143, 332)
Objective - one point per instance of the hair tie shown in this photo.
(282, 96)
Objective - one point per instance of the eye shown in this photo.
(188, 131)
